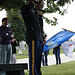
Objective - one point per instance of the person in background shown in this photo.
(34, 37)
(56, 51)
(5, 43)
(13, 44)
(45, 54)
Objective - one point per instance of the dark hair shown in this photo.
(4, 19)
(45, 35)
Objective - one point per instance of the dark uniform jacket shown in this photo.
(31, 19)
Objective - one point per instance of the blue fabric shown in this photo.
(37, 57)
(57, 39)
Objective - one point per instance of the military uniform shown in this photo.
(31, 19)
(34, 37)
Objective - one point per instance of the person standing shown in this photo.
(44, 58)
(5, 43)
(45, 54)
(13, 44)
(34, 37)
(56, 51)
(41, 12)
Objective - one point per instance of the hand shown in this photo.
(44, 41)
(0, 39)
(12, 35)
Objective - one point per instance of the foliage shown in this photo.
(52, 6)
(11, 4)
(16, 24)
(21, 56)
(51, 21)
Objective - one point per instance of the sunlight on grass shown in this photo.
(64, 69)
(25, 53)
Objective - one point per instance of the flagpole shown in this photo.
(68, 30)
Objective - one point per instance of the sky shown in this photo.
(67, 21)
(2, 15)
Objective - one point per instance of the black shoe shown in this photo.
(46, 64)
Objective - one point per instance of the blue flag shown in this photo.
(57, 39)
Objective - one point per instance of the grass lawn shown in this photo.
(25, 53)
(63, 69)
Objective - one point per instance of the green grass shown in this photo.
(25, 53)
(21, 56)
(63, 69)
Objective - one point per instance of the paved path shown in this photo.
(51, 59)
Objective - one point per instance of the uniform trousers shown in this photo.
(35, 55)
(5, 54)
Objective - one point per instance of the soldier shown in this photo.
(34, 36)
